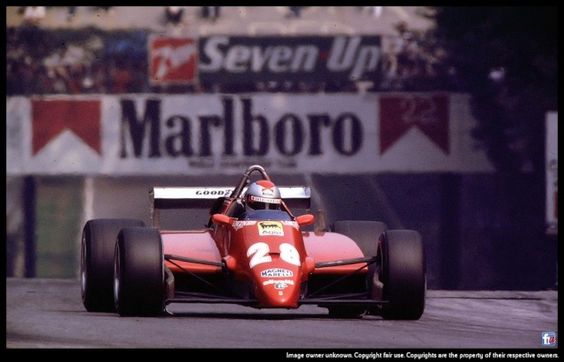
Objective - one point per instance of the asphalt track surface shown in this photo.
(48, 313)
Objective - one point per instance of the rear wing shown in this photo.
(204, 197)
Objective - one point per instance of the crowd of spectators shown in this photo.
(74, 62)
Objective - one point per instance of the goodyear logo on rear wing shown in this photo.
(270, 228)
(215, 192)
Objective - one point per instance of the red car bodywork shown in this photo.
(231, 246)
(263, 258)
(271, 262)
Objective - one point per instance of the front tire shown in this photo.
(403, 274)
(139, 288)
(97, 262)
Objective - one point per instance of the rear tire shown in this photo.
(139, 288)
(97, 262)
(403, 274)
(364, 233)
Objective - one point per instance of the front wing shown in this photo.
(326, 290)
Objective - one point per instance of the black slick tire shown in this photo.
(403, 274)
(97, 262)
(139, 288)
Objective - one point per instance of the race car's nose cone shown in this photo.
(274, 253)
(278, 287)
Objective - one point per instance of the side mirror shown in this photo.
(221, 219)
(306, 219)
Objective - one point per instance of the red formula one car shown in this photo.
(259, 257)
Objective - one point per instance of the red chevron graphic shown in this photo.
(52, 117)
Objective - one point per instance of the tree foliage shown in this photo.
(506, 58)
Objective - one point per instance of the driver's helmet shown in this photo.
(263, 194)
